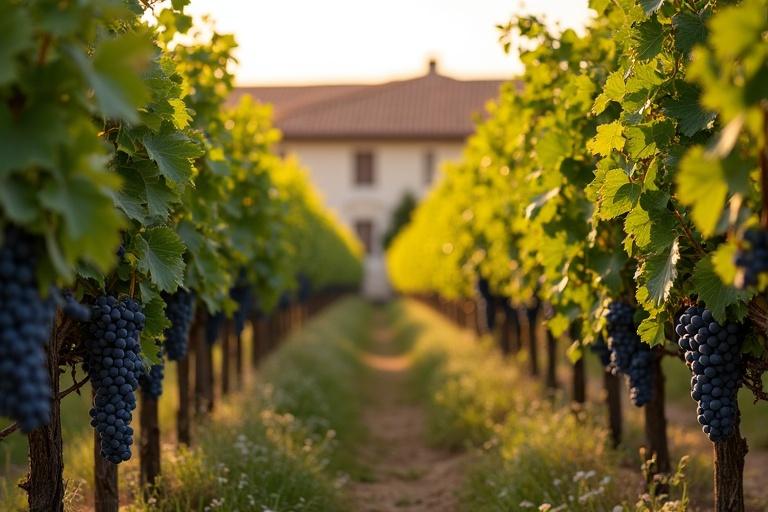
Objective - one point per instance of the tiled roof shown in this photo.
(432, 106)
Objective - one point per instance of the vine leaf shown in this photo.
(115, 74)
(30, 138)
(154, 327)
(645, 140)
(173, 151)
(650, 224)
(613, 90)
(703, 183)
(659, 273)
(160, 252)
(16, 35)
(716, 294)
(648, 38)
(651, 330)
(690, 30)
(687, 110)
(609, 137)
(91, 222)
(618, 194)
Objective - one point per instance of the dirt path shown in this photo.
(404, 473)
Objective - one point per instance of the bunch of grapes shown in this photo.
(713, 353)
(753, 261)
(25, 327)
(73, 309)
(114, 366)
(151, 381)
(213, 327)
(600, 348)
(629, 355)
(243, 295)
(179, 307)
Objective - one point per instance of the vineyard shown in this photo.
(582, 321)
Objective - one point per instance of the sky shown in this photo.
(362, 41)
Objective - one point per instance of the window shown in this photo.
(364, 231)
(364, 170)
(429, 167)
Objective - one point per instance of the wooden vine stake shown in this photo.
(45, 484)
(529, 325)
(729, 473)
(226, 352)
(551, 377)
(579, 372)
(149, 444)
(106, 495)
(612, 386)
(183, 430)
(656, 420)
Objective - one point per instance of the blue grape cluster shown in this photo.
(601, 349)
(25, 328)
(243, 295)
(713, 353)
(151, 381)
(114, 366)
(213, 327)
(73, 309)
(753, 260)
(179, 308)
(629, 355)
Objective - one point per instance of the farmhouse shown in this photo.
(368, 146)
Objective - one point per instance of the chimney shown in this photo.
(432, 69)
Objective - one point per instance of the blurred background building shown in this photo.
(373, 148)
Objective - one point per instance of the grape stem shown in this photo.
(10, 429)
(688, 233)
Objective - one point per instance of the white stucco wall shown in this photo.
(399, 168)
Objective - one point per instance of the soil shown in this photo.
(402, 471)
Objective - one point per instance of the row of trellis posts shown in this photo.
(199, 386)
(521, 328)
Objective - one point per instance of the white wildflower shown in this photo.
(526, 504)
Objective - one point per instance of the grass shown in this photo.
(530, 453)
(283, 444)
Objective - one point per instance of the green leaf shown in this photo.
(613, 90)
(115, 74)
(18, 201)
(687, 110)
(552, 149)
(690, 30)
(160, 252)
(91, 223)
(30, 138)
(650, 6)
(711, 289)
(181, 117)
(723, 261)
(703, 183)
(618, 195)
(650, 224)
(173, 152)
(609, 137)
(645, 140)
(16, 35)
(738, 29)
(651, 330)
(155, 325)
(648, 38)
(659, 273)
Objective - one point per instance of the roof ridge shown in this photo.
(356, 95)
